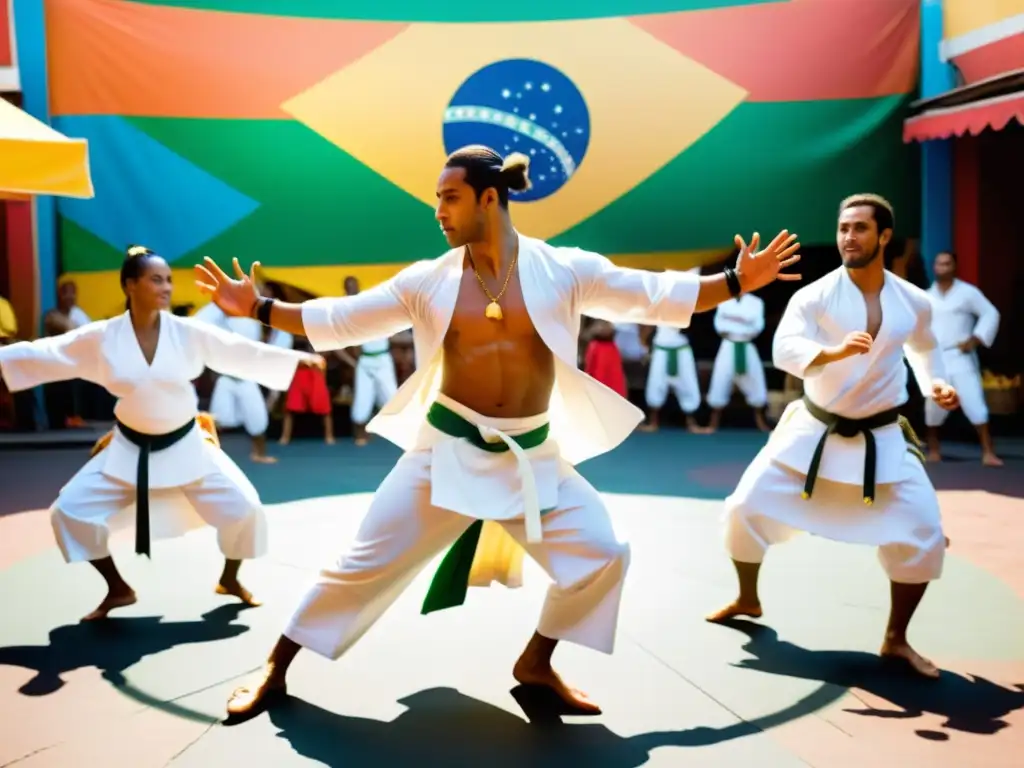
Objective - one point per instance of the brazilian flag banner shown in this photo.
(309, 134)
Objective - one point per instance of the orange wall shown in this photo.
(963, 16)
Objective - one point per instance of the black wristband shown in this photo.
(732, 280)
(263, 311)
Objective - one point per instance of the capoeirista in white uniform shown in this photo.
(737, 362)
(189, 481)
(375, 380)
(672, 367)
(434, 494)
(237, 402)
(815, 476)
(961, 312)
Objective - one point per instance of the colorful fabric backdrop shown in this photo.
(308, 134)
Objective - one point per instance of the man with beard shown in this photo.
(841, 463)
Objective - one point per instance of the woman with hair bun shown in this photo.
(161, 464)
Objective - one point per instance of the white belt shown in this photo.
(531, 500)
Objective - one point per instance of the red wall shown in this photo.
(965, 206)
(987, 234)
(21, 266)
(6, 57)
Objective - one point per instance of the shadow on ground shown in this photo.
(113, 646)
(968, 704)
(458, 730)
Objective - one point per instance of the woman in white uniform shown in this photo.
(158, 465)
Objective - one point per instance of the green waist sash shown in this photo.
(451, 580)
(739, 357)
(364, 353)
(146, 445)
(672, 354)
(844, 427)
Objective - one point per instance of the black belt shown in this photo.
(844, 427)
(146, 445)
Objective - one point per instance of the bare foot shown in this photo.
(545, 677)
(934, 457)
(110, 602)
(284, 441)
(761, 424)
(249, 701)
(734, 609)
(902, 650)
(235, 589)
(991, 460)
(647, 428)
(361, 441)
(262, 458)
(329, 440)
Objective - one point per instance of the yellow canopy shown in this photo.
(37, 160)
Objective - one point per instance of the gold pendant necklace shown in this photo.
(493, 310)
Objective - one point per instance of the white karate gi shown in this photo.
(904, 520)
(375, 381)
(738, 321)
(441, 485)
(684, 385)
(239, 402)
(960, 313)
(190, 482)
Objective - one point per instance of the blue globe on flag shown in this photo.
(523, 105)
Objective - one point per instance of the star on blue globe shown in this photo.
(523, 105)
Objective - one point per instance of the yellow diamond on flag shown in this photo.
(645, 104)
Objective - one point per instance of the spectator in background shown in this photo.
(66, 400)
(629, 338)
(308, 393)
(602, 359)
(375, 379)
(738, 365)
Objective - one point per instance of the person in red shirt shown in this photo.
(308, 393)
(602, 359)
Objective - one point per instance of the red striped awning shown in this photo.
(973, 118)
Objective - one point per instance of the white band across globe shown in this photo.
(471, 114)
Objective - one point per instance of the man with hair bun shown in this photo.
(492, 421)
(842, 463)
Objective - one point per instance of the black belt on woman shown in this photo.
(146, 445)
(845, 427)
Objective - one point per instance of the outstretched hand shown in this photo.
(236, 298)
(756, 269)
